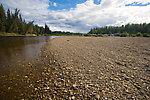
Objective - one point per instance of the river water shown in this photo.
(14, 50)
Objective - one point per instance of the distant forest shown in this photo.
(14, 23)
(124, 30)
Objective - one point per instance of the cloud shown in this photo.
(84, 16)
(54, 4)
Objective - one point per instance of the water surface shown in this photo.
(15, 50)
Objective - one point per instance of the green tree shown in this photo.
(36, 29)
(29, 27)
(21, 26)
(14, 27)
(8, 21)
(47, 30)
(2, 19)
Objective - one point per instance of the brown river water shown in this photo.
(14, 50)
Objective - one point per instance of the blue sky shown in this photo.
(67, 4)
(81, 15)
(138, 4)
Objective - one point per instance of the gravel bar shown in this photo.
(97, 68)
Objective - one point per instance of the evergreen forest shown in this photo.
(134, 30)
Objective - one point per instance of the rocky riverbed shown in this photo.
(87, 68)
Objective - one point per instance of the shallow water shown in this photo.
(14, 50)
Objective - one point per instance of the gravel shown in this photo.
(97, 68)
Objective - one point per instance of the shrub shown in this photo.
(99, 35)
(146, 35)
(125, 34)
(87, 35)
(117, 34)
(133, 35)
(139, 34)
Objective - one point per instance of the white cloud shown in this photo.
(54, 4)
(84, 16)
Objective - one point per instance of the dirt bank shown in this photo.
(97, 68)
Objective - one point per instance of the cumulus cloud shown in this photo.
(84, 16)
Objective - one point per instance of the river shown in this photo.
(14, 50)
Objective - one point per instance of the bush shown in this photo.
(133, 35)
(139, 34)
(99, 35)
(146, 35)
(87, 35)
(117, 34)
(125, 34)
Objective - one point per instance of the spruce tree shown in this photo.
(21, 25)
(14, 27)
(47, 30)
(29, 27)
(2, 19)
(8, 21)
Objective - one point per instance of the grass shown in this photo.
(14, 34)
(8, 34)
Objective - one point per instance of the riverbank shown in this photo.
(58, 34)
(96, 68)
(15, 34)
(83, 68)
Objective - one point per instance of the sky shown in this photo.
(81, 15)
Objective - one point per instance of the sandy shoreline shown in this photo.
(83, 68)
(100, 68)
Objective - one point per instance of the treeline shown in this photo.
(66, 33)
(124, 30)
(14, 23)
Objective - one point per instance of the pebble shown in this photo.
(65, 91)
(74, 85)
(97, 96)
(35, 89)
(48, 88)
(9, 88)
(73, 97)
